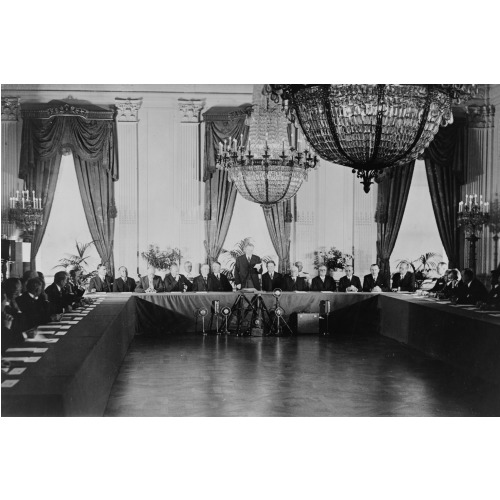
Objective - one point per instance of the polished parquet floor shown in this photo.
(191, 375)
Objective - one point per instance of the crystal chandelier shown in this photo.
(25, 212)
(370, 127)
(267, 170)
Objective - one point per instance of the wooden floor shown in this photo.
(305, 376)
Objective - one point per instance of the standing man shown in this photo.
(322, 282)
(201, 282)
(123, 283)
(349, 282)
(375, 282)
(175, 282)
(150, 283)
(404, 281)
(218, 281)
(101, 282)
(293, 282)
(247, 269)
(271, 280)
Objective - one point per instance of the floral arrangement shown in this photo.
(161, 259)
(331, 258)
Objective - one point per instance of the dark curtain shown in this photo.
(445, 160)
(392, 196)
(278, 220)
(220, 193)
(92, 141)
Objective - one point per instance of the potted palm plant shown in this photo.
(78, 262)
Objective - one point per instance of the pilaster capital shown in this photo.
(480, 116)
(127, 109)
(11, 108)
(190, 110)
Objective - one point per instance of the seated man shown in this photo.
(493, 299)
(150, 283)
(74, 284)
(36, 310)
(322, 282)
(218, 282)
(302, 273)
(123, 283)
(475, 291)
(175, 282)
(403, 281)
(188, 270)
(375, 281)
(271, 280)
(349, 282)
(101, 282)
(455, 287)
(11, 336)
(201, 282)
(441, 280)
(293, 282)
(59, 298)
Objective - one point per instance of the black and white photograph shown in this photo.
(260, 273)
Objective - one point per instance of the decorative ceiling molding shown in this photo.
(190, 110)
(127, 109)
(10, 108)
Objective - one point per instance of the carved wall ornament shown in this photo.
(480, 116)
(190, 110)
(10, 108)
(127, 109)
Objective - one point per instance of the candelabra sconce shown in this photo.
(494, 225)
(26, 212)
(472, 217)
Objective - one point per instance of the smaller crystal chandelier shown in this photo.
(25, 212)
(272, 173)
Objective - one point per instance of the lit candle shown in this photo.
(220, 147)
(461, 206)
(33, 192)
(475, 199)
(17, 194)
(40, 203)
(23, 202)
(241, 140)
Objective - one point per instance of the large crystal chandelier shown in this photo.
(267, 170)
(370, 127)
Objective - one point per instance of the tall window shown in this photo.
(66, 225)
(248, 221)
(419, 233)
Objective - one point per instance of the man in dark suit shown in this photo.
(455, 287)
(247, 269)
(150, 283)
(74, 286)
(218, 282)
(123, 283)
(101, 282)
(323, 282)
(59, 298)
(293, 282)
(35, 310)
(201, 282)
(475, 291)
(271, 280)
(494, 294)
(175, 282)
(349, 282)
(375, 282)
(404, 281)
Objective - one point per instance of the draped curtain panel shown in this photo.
(53, 129)
(445, 161)
(392, 196)
(220, 193)
(278, 220)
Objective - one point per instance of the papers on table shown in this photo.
(16, 371)
(34, 350)
(9, 383)
(28, 359)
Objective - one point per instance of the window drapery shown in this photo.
(50, 130)
(392, 196)
(220, 193)
(278, 220)
(445, 161)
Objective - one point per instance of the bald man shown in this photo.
(293, 282)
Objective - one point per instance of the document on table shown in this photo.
(9, 383)
(65, 327)
(28, 359)
(42, 341)
(16, 371)
(34, 350)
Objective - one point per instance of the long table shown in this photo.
(75, 375)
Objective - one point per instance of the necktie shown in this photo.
(271, 275)
(205, 280)
(248, 258)
(217, 276)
